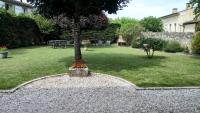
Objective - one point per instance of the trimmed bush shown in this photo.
(157, 43)
(173, 47)
(17, 31)
(196, 43)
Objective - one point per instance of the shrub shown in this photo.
(196, 43)
(173, 46)
(17, 31)
(156, 43)
(136, 42)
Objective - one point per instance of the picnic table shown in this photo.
(58, 43)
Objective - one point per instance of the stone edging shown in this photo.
(28, 82)
(121, 79)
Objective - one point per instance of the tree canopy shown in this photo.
(152, 24)
(74, 9)
(196, 5)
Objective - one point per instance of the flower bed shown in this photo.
(79, 69)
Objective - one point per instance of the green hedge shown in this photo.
(173, 47)
(158, 44)
(196, 43)
(17, 31)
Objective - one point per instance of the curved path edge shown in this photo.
(28, 82)
(121, 79)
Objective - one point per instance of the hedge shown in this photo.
(17, 31)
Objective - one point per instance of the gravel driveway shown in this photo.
(96, 94)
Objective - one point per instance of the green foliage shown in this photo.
(45, 25)
(77, 8)
(17, 31)
(106, 34)
(124, 21)
(152, 24)
(196, 43)
(173, 46)
(196, 5)
(156, 43)
(130, 29)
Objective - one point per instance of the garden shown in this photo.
(144, 61)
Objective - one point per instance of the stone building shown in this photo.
(180, 21)
(17, 6)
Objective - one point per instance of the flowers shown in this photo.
(3, 48)
(79, 64)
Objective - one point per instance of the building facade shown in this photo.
(182, 21)
(16, 6)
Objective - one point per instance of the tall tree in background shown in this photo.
(152, 24)
(196, 5)
(75, 9)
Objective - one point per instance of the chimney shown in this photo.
(188, 6)
(174, 10)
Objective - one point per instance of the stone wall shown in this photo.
(183, 38)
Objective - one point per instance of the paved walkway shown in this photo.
(96, 94)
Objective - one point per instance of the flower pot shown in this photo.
(78, 72)
(4, 54)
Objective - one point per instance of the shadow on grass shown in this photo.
(116, 62)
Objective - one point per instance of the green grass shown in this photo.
(131, 64)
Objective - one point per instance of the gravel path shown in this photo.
(96, 94)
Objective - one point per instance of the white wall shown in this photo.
(176, 22)
(171, 24)
(189, 28)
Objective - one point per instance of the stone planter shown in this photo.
(3, 54)
(78, 72)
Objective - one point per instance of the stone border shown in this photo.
(118, 78)
(28, 82)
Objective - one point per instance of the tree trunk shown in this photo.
(76, 36)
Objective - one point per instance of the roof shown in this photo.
(191, 22)
(170, 15)
(173, 14)
(18, 3)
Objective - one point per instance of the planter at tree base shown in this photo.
(3, 54)
(78, 72)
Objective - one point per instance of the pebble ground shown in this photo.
(96, 94)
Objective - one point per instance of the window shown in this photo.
(25, 10)
(175, 27)
(18, 9)
(170, 27)
(2, 4)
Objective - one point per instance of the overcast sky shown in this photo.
(143, 8)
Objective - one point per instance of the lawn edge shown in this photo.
(150, 88)
(115, 77)
(29, 82)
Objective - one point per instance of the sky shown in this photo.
(139, 9)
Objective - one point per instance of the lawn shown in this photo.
(165, 69)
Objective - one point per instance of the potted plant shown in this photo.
(79, 69)
(3, 52)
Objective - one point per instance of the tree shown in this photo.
(152, 24)
(196, 5)
(75, 9)
(130, 28)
